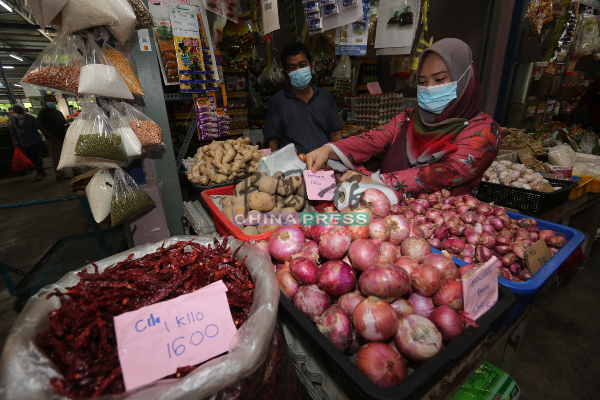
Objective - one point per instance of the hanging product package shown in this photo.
(586, 37)
(99, 77)
(20, 162)
(122, 29)
(98, 139)
(57, 68)
(124, 67)
(272, 78)
(145, 129)
(133, 146)
(343, 70)
(128, 200)
(45, 11)
(99, 193)
(82, 14)
(143, 17)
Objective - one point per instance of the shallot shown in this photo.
(381, 364)
(417, 338)
(423, 305)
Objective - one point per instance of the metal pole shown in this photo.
(10, 93)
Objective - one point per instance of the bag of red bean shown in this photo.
(145, 129)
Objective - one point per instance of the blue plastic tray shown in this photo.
(525, 292)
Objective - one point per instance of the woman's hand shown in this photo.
(353, 176)
(317, 158)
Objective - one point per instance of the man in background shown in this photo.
(51, 122)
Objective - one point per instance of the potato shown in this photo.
(302, 191)
(228, 211)
(295, 201)
(297, 181)
(243, 186)
(251, 190)
(279, 204)
(278, 175)
(238, 198)
(267, 228)
(257, 176)
(240, 208)
(260, 201)
(285, 187)
(267, 185)
(250, 230)
(289, 210)
(227, 201)
(277, 209)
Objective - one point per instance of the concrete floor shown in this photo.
(560, 349)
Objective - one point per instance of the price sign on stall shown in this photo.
(320, 185)
(525, 155)
(480, 289)
(155, 340)
(537, 255)
(536, 147)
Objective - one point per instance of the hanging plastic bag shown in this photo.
(343, 69)
(45, 11)
(99, 192)
(122, 29)
(143, 17)
(125, 69)
(272, 78)
(99, 77)
(20, 162)
(82, 14)
(98, 138)
(145, 129)
(133, 146)
(589, 143)
(128, 200)
(58, 66)
(586, 40)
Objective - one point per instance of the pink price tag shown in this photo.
(265, 151)
(480, 289)
(320, 185)
(374, 87)
(155, 340)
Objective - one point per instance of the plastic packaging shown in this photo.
(99, 193)
(586, 169)
(45, 11)
(488, 382)
(58, 66)
(125, 69)
(99, 77)
(25, 372)
(586, 37)
(83, 14)
(122, 29)
(144, 128)
(98, 139)
(128, 200)
(133, 146)
(589, 143)
(143, 17)
(20, 162)
(284, 160)
(344, 68)
(563, 156)
(272, 78)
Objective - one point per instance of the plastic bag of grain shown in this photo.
(99, 193)
(125, 69)
(128, 200)
(83, 14)
(45, 11)
(562, 156)
(122, 29)
(99, 77)
(99, 139)
(146, 130)
(133, 146)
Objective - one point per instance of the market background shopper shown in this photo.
(51, 122)
(301, 113)
(446, 142)
(24, 132)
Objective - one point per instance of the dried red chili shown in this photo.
(81, 338)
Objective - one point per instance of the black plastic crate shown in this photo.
(526, 200)
(357, 386)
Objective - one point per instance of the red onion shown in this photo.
(469, 251)
(389, 251)
(454, 227)
(348, 302)
(377, 202)
(468, 217)
(396, 209)
(557, 241)
(525, 275)
(489, 229)
(415, 247)
(379, 229)
(465, 269)
(375, 319)
(409, 200)
(336, 277)
(483, 254)
(481, 218)
(514, 269)
(449, 294)
(312, 302)
(461, 209)
(385, 280)
(448, 322)
(336, 327)
(503, 240)
(356, 342)
(435, 243)
(363, 254)
(304, 269)
(506, 221)
(433, 198)
(452, 237)
(358, 232)
(423, 202)
(505, 273)
(454, 246)
(534, 236)
(446, 193)
(446, 207)
(287, 284)
(392, 345)
(318, 229)
(441, 232)
(334, 242)
(472, 203)
(406, 263)
(398, 228)
(478, 228)
(472, 238)
(382, 365)
(527, 222)
(419, 220)
(282, 267)
(425, 280)
(423, 305)
(403, 307)
(444, 265)
(417, 338)
(310, 249)
(428, 228)
(487, 239)
(285, 241)
(448, 200)
(439, 221)
(509, 259)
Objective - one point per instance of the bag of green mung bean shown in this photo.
(128, 200)
(99, 139)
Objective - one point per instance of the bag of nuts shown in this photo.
(124, 67)
(128, 200)
(99, 139)
(145, 129)
(58, 66)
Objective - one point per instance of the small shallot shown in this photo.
(403, 307)
(423, 305)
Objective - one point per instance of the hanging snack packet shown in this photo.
(58, 66)
(128, 200)
(99, 193)
(143, 17)
(99, 77)
(145, 129)
(330, 9)
(133, 146)
(311, 6)
(82, 14)
(45, 11)
(98, 139)
(125, 69)
(126, 24)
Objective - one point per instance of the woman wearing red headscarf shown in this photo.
(446, 142)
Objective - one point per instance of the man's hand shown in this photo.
(353, 176)
(274, 144)
(15, 142)
(317, 158)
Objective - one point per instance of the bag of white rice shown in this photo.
(99, 194)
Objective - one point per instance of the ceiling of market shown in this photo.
(20, 38)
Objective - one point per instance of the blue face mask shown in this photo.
(300, 78)
(436, 98)
(51, 104)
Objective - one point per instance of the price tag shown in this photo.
(320, 185)
(155, 340)
(537, 255)
(525, 155)
(144, 39)
(536, 147)
(480, 289)
(265, 151)
(373, 87)
(546, 187)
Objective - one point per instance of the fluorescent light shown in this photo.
(3, 4)
(12, 55)
(15, 84)
(8, 66)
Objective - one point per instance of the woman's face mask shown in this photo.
(436, 98)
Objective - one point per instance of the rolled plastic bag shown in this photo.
(133, 146)
(45, 11)
(126, 24)
(125, 69)
(82, 14)
(99, 139)
(128, 199)
(25, 372)
(99, 193)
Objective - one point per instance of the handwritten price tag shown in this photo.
(155, 340)
(537, 255)
(374, 87)
(319, 185)
(265, 151)
(480, 289)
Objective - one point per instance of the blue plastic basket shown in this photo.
(525, 292)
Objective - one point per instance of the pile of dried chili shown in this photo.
(81, 338)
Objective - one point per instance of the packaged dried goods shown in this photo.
(143, 17)
(98, 139)
(99, 194)
(46, 10)
(122, 29)
(83, 14)
(128, 200)
(133, 146)
(125, 69)
(145, 129)
(99, 77)
(58, 66)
